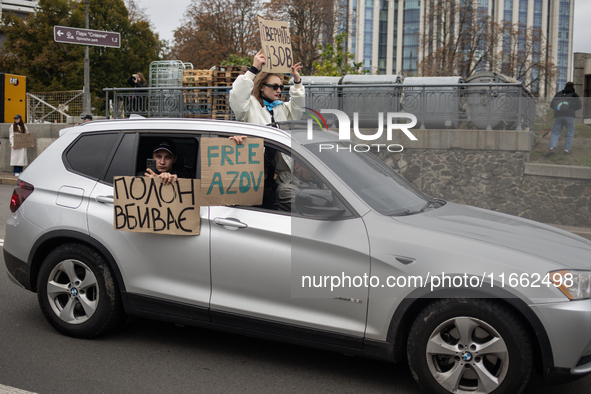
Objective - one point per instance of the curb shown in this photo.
(8, 180)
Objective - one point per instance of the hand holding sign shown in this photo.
(259, 59)
(24, 140)
(276, 44)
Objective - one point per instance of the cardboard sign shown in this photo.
(24, 140)
(276, 45)
(145, 205)
(232, 174)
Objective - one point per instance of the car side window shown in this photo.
(286, 175)
(123, 163)
(186, 150)
(90, 153)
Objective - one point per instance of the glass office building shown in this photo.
(391, 30)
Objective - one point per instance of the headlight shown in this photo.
(576, 285)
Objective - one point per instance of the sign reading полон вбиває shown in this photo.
(146, 205)
(74, 35)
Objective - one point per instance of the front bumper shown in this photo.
(568, 326)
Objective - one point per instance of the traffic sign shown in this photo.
(74, 35)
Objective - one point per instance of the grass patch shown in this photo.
(581, 155)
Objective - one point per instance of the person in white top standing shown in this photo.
(18, 157)
(254, 97)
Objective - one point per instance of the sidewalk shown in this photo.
(6, 178)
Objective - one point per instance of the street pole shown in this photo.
(86, 95)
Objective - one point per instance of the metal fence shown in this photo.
(467, 105)
(185, 102)
(50, 107)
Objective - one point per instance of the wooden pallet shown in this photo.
(232, 68)
(196, 78)
(226, 80)
(197, 84)
(285, 79)
(197, 73)
(199, 100)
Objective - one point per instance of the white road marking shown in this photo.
(12, 390)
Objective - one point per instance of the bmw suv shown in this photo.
(362, 262)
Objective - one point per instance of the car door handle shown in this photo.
(105, 199)
(230, 223)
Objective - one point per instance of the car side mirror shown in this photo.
(317, 203)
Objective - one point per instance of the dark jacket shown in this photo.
(136, 84)
(566, 102)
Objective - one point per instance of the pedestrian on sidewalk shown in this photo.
(564, 104)
(18, 157)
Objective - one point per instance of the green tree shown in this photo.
(235, 60)
(337, 62)
(30, 49)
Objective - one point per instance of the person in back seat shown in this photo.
(166, 157)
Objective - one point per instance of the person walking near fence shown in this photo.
(564, 104)
(18, 157)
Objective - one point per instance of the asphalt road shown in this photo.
(155, 357)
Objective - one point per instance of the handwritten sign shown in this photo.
(145, 205)
(232, 174)
(276, 45)
(24, 140)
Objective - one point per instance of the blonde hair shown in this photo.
(261, 78)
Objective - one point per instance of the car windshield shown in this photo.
(373, 180)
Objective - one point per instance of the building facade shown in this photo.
(582, 80)
(21, 8)
(386, 33)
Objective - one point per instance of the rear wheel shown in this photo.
(77, 292)
(469, 346)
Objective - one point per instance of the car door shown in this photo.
(154, 266)
(259, 259)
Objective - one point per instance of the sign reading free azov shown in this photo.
(232, 174)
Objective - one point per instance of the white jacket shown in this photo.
(18, 157)
(248, 109)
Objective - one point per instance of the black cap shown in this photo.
(166, 145)
(89, 117)
(17, 116)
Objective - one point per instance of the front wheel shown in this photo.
(469, 346)
(77, 292)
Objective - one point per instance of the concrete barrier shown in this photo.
(45, 134)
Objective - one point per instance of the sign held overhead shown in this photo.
(276, 45)
(74, 35)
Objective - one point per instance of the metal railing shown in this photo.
(183, 102)
(465, 105)
(50, 107)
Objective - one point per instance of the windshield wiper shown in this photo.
(430, 203)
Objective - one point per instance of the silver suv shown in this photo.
(360, 262)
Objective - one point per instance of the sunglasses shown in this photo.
(274, 86)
